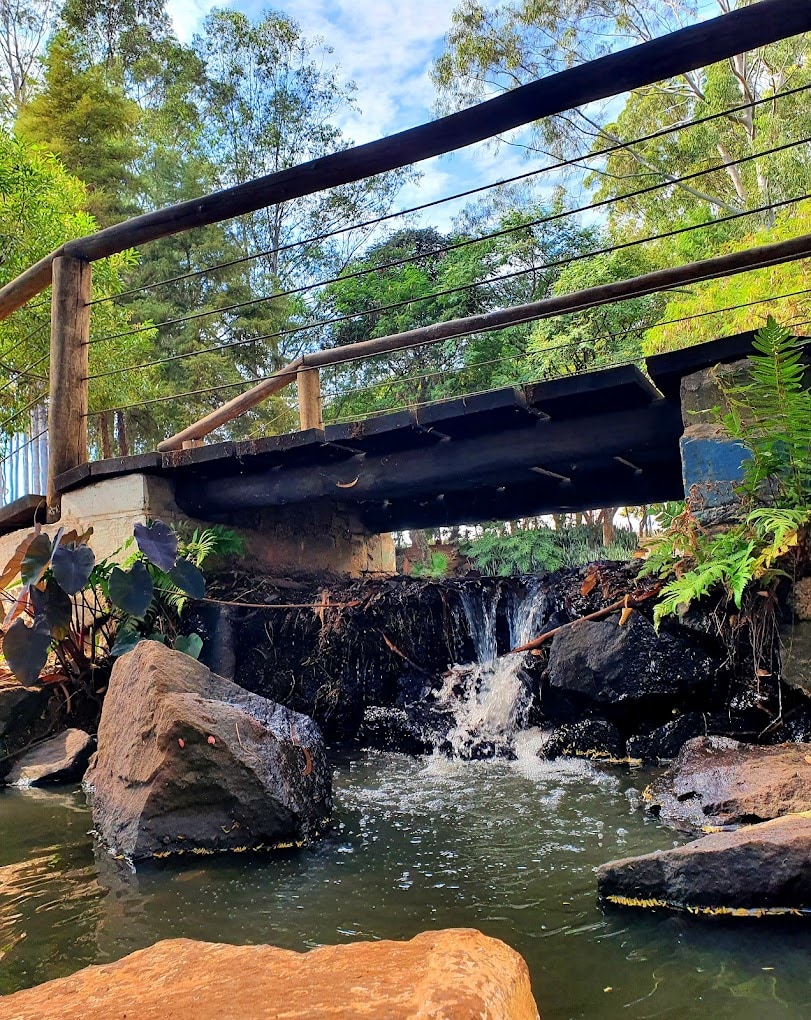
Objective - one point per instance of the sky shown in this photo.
(387, 47)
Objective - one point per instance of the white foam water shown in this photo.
(490, 698)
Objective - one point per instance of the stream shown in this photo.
(488, 836)
(505, 846)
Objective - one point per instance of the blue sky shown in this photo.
(387, 48)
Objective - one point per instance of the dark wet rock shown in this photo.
(21, 709)
(59, 759)
(759, 868)
(718, 781)
(590, 738)
(796, 655)
(190, 761)
(629, 673)
(666, 741)
(393, 729)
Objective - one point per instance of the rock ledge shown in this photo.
(456, 974)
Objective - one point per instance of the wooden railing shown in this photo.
(68, 268)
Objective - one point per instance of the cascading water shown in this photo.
(489, 700)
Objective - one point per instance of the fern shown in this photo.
(771, 416)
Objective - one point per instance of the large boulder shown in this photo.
(59, 759)
(188, 761)
(457, 974)
(759, 869)
(717, 781)
(628, 673)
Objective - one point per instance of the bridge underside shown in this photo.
(604, 438)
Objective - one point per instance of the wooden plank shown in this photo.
(591, 392)
(667, 370)
(72, 479)
(458, 466)
(291, 450)
(696, 46)
(478, 413)
(22, 513)
(67, 403)
(112, 467)
(381, 433)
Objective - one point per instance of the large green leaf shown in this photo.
(37, 559)
(131, 590)
(189, 644)
(72, 566)
(188, 578)
(158, 543)
(125, 641)
(56, 608)
(26, 650)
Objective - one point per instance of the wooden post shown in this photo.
(309, 399)
(67, 405)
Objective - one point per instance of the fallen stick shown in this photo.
(626, 602)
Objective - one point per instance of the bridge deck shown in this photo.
(608, 437)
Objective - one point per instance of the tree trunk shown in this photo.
(104, 432)
(606, 518)
(121, 431)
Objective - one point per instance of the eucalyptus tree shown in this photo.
(495, 48)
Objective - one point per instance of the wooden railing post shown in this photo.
(309, 399)
(67, 404)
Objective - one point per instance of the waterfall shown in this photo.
(489, 700)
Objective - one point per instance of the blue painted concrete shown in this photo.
(711, 470)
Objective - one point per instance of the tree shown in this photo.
(517, 42)
(416, 277)
(81, 114)
(24, 27)
(41, 206)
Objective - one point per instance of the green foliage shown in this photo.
(770, 414)
(727, 562)
(500, 550)
(435, 568)
(81, 613)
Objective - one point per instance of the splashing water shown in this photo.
(490, 699)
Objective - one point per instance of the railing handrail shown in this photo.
(778, 253)
(676, 53)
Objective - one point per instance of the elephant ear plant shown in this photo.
(68, 615)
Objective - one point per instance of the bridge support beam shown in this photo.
(318, 537)
(67, 402)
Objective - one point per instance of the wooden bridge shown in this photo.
(607, 437)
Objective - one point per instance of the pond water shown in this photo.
(507, 847)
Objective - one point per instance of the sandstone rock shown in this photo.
(627, 673)
(60, 759)
(188, 761)
(718, 781)
(457, 974)
(760, 868)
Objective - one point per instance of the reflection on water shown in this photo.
(507, 847)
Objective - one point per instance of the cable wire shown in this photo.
(667, 322)
(462, 288)
(193, 316)
(562, 164)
